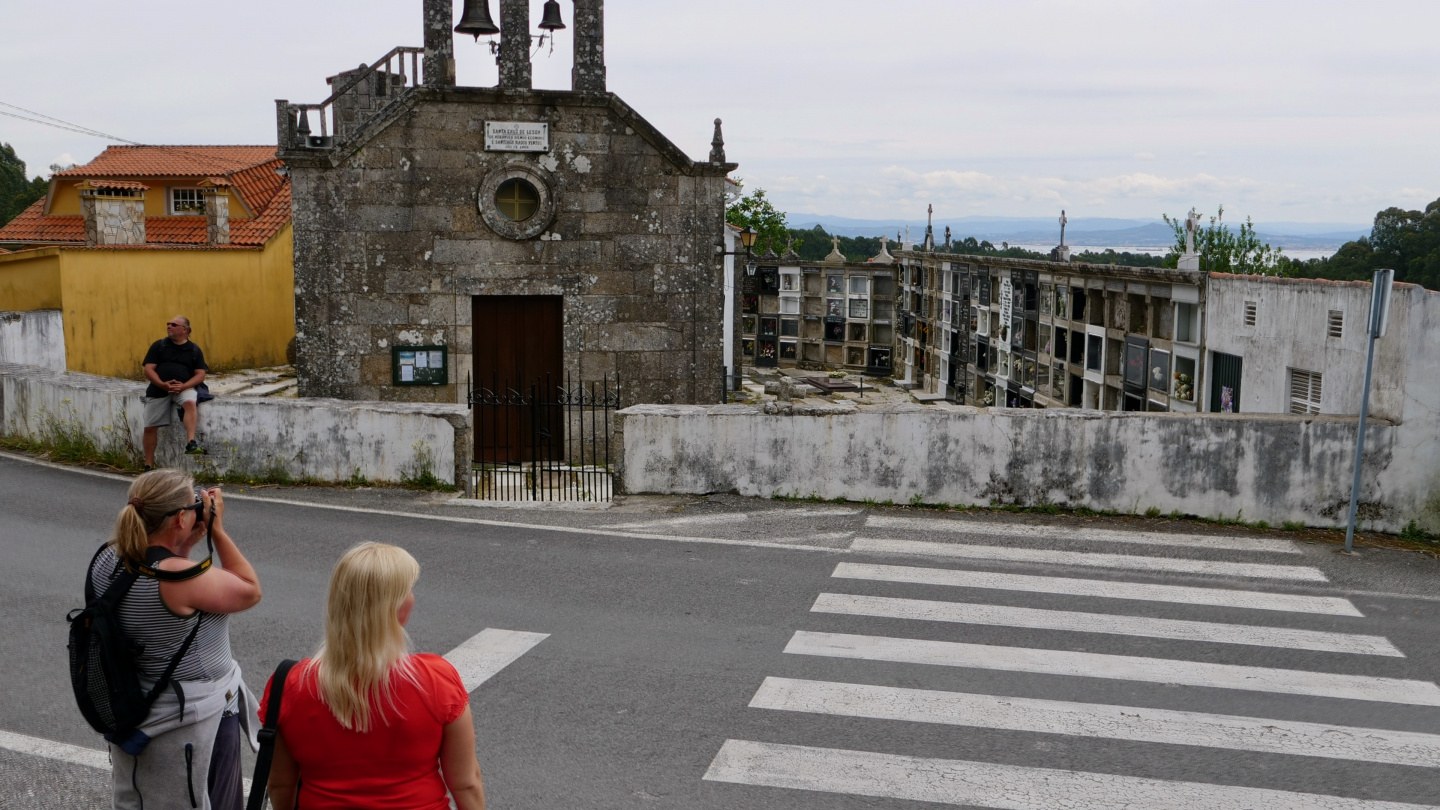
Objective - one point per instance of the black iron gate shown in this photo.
(543, 441)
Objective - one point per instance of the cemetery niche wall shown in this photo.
(521, 232)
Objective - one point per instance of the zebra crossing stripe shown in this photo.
(1262, 735)
(1005, 787)
(875, 545)
(484, 654)
(1180, 594)
(1007, 616)
(1115, 667)
(988, 528)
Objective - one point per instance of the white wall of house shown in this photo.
(1291, 331)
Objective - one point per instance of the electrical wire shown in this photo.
(59, 123)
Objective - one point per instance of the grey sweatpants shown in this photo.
(167, 776)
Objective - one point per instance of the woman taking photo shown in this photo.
(365, 722)
(186, 754)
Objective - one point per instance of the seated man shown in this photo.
(174, 366)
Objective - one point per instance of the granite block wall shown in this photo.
(392, 241)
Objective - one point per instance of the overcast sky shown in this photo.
(1285, 111)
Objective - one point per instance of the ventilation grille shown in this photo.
(1336, 324)
(1251, 309)
(1304, 391)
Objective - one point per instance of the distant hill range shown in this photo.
(1091, 231)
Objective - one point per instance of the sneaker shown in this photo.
(148, 468)
(193, 448)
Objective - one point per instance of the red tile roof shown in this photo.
(181, 161)
(248, 170)
(34, 228)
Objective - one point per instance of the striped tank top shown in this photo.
(147, 620)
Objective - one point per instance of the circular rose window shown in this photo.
(517, 200)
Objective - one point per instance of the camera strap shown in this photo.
(144, 569)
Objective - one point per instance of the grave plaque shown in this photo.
(517, 136)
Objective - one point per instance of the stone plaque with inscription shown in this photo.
(517, 136)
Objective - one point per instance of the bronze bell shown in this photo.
(551, 21)
(476, 19)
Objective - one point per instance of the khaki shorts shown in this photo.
(158, 410)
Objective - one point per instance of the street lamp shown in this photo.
(747, 240)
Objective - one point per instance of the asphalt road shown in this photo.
(1000, 666)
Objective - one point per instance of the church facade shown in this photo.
(501, 235)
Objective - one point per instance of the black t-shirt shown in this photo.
(173, 362)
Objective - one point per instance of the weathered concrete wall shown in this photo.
(396, 230)
(1261, 467)
(326, 440)
(33, 338)
(1291, 332)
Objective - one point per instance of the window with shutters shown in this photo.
(1336, 324)
(1251, 310)
(1304, 391)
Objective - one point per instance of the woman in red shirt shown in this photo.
(365, 723)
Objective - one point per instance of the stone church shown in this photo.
(503, 234)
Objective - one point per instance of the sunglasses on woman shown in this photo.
(198, 507)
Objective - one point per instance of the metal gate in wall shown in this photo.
(543, 441)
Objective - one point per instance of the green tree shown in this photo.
(16, 193)
(754, 211)
(1407, 242)
(1225, 251)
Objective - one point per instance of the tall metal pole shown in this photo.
(1379, 312)
(1360, 446)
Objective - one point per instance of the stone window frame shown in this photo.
(199, 201)
(531, 173)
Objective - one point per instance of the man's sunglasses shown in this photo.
(176, 324)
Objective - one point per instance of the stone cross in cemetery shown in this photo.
(502, 233)
(1061, 253)
(1191, 259)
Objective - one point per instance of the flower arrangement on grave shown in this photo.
(1184, 387)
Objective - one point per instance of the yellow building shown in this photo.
(143, 233)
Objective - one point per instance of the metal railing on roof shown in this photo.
(388, 80)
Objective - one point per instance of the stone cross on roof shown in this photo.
(835, 257)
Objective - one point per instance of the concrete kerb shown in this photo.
(323, 440)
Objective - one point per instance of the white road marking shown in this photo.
(49, 749)
(1116, 667)
(489, 651)
(736, 517)
(991, 528)
(64, 752)
(1181, 594)
(873, 545)
(1005, 787)
(733, 517)
(1100, 721)
(1036, 619)
(477, 660)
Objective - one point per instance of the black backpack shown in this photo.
(103, 660)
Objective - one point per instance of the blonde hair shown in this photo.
(151, 496)
(365, 646)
